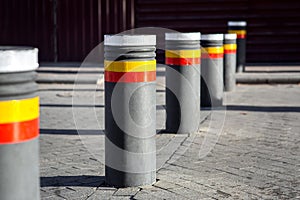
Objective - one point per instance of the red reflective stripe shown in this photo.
(130, 77)
(212, 55)
(241, 36)
(182, 61)
(229, 51)
(19, 131)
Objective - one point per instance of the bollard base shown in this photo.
(207, 99)
(240, 69)
(207, 103)
(19, 171)
(229, 89)
(182, 130)
(120, 179)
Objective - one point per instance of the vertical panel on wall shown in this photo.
(272, 24)
(118, 16)
(63, 30)
(77, 28)
(28, 23)
(274, 29)
(81, 24)
(206, 16)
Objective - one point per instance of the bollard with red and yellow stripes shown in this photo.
(183, 57)
(19, 124)
(130, 71)
(130, 110)
(239, 28)
(212, 70)
(229, 61)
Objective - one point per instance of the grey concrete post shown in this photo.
(183, 56)
(239, 28)
(212, 83)
(229, 61)
(19, 124)
(130, 110)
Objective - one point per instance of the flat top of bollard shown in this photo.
(18, 59)
(218, 37)
(237, 23)
(230, 36)
(15, 48)
(129, 40)
(183, 36)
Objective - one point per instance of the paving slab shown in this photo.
(255, 156)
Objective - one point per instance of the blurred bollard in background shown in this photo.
(229, 61)
(239, 28)
(212, 83)
(183, 57)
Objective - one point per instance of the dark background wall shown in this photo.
(63, 30)
(28, 22)
(273, 25)
(81, 24)
(66, 30)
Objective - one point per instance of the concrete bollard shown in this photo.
(239, 28)
(212, 70)
(130, 110)
(229, 61)
(183, 55)
(19, 124)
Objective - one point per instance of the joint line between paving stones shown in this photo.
(181, 144)
(96, 190)
(273, 159)
(132, 196)
(197, 183)
(221, 171)
(189, 180)
(168, 190)
(204, 120)
(211, 168)
(191, 188)
(274, 171)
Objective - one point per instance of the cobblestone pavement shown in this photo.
(256, 156)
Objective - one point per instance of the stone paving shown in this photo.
(256, 155)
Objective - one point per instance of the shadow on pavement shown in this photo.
(158, 73)
(71, 132)
(70, 90)
(263, 108)
(96, 71)
(162, 91)
(82, 181)
(79, 90)
(70, 105)
(271, 72)
(158, 107)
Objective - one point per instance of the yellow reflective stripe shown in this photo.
(183, 53)
(19, 110)
(213, 50)
(130, 66)
(239, 32)
(229, 46)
